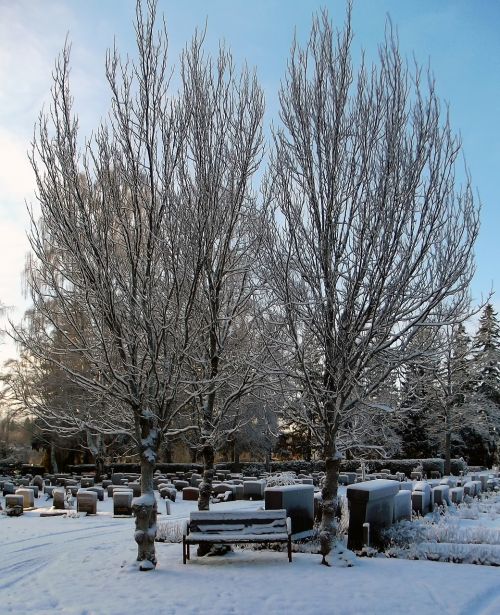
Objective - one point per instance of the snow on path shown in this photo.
(85, 566)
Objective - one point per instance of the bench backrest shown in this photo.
(238, 521)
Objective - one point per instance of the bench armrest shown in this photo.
(289, 525)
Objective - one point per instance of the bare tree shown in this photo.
(371, 238)
(224, 148)
(111, 245)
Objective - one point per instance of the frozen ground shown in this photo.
(86, 565)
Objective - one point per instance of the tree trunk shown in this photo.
(145, 511)
(206, 490)
(99, 468)
(447, 453)
(208, 476)
(328, 526)
(53, 461)
(144, 507)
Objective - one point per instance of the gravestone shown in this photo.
(402, 505)
(298, 501)
(99, 491)
(180, 484)
(370, 502)
(254, 489)
(86, 501)
(87, 482)
(441, 495)
(28, 497)
(8, 489)
(59, 495)
(14, 505)
(122, 503)
(38, 482)
(457, 495)
(190, 493)
(421, 498)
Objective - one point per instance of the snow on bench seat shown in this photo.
(238, 526)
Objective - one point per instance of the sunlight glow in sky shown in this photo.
(459, 38)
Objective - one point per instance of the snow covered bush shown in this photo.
(282, 479)
(170, 530)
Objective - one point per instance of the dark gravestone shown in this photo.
(254, 489)
(421, 498)
(122, 503)
(298, 501)
(190, 493)
(370, 502)
(99, 491)
(8, 489)
(86, 501)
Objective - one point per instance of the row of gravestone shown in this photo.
(380, 503)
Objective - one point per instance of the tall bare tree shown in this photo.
(224, 147)
(111, 245)
(371, 236)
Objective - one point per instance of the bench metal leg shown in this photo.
(183, 550)
(289, 549)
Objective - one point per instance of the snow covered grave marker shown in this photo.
(298, 501)
(122, 502)
(370, 502)
(86, 501)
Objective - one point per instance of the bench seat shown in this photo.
(234, 527)
(197, 537)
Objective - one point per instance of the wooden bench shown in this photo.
(237, 527)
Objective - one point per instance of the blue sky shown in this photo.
(460, 39)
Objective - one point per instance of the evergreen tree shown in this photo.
(486, 384)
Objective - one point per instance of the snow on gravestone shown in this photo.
(370, 502)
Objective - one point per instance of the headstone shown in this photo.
(117, 478)
(457, 495)
(59, 495)
(87, 482)
(38, 482)
(479, 486)
(370, 502)
(122, 503)
(298, 501)
(28, 497)
(441, 495)
(470, 488)
(14, 504)
(86, 501)
(421, 498)
(190, 493)
(8, 489)
(99, 491)
(254, 489)
(402, 505)
(180, 484)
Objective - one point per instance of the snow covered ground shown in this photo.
(85, 565)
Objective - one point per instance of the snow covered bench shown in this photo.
(236, 527)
